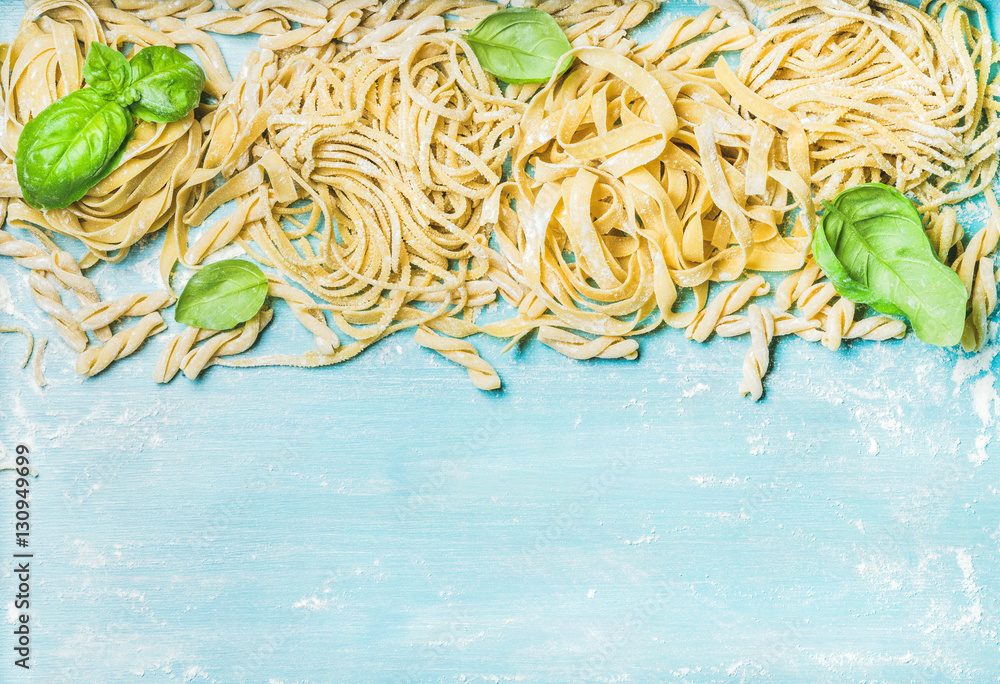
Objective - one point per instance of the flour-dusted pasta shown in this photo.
(28, 337)
(103, 314)
(464, 354)
(362, 150)
(140, 196)
(124, 343)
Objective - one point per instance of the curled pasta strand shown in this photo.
(28, 337)
(758, 359)
(38, 367)
(103, 314)
(481, 373)
(577, 347)
(123, 343)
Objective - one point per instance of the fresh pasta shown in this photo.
(362, 149)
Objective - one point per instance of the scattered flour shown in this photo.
(696, 390)
(193, 672)
(149, 270)
(973, 614)
(7, 301)
(314, 603)
(985, 399)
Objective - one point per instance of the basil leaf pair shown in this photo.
(79, 139)
(520, 45)
(222, 295)
(872, 246)
(160, 84)
(167, 83)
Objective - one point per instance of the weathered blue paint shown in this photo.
(383, 521)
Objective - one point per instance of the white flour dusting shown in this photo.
(7, 301)
(983, 391)
(973, 614)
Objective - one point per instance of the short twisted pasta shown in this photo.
(577, 347)
(228, 343)
(732, 298)
(464, 354)
(46, 295)
(304, 309)
(103, 314)
(877, 328)
(168, 364)
(758, 359)
(837, 322)
(784, 324)
(122, 344)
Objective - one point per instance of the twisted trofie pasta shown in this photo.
(461, 352)
(46, 295)
(228, 343)
(102, 314)
(758, 359)
(169, 362)
(124, 343)
(577, 347)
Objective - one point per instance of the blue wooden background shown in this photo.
(383, 521)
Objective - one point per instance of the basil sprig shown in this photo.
(79, 139)
(872, 246)
(222, 295)
(520, 45)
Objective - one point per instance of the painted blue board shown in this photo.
(383, 521)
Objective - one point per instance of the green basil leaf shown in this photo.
(108, 72)
(167, 83)
(69, 147)
(520, 45)
(872, 246)
(222, 295)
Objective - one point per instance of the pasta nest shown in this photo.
(379, 161)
